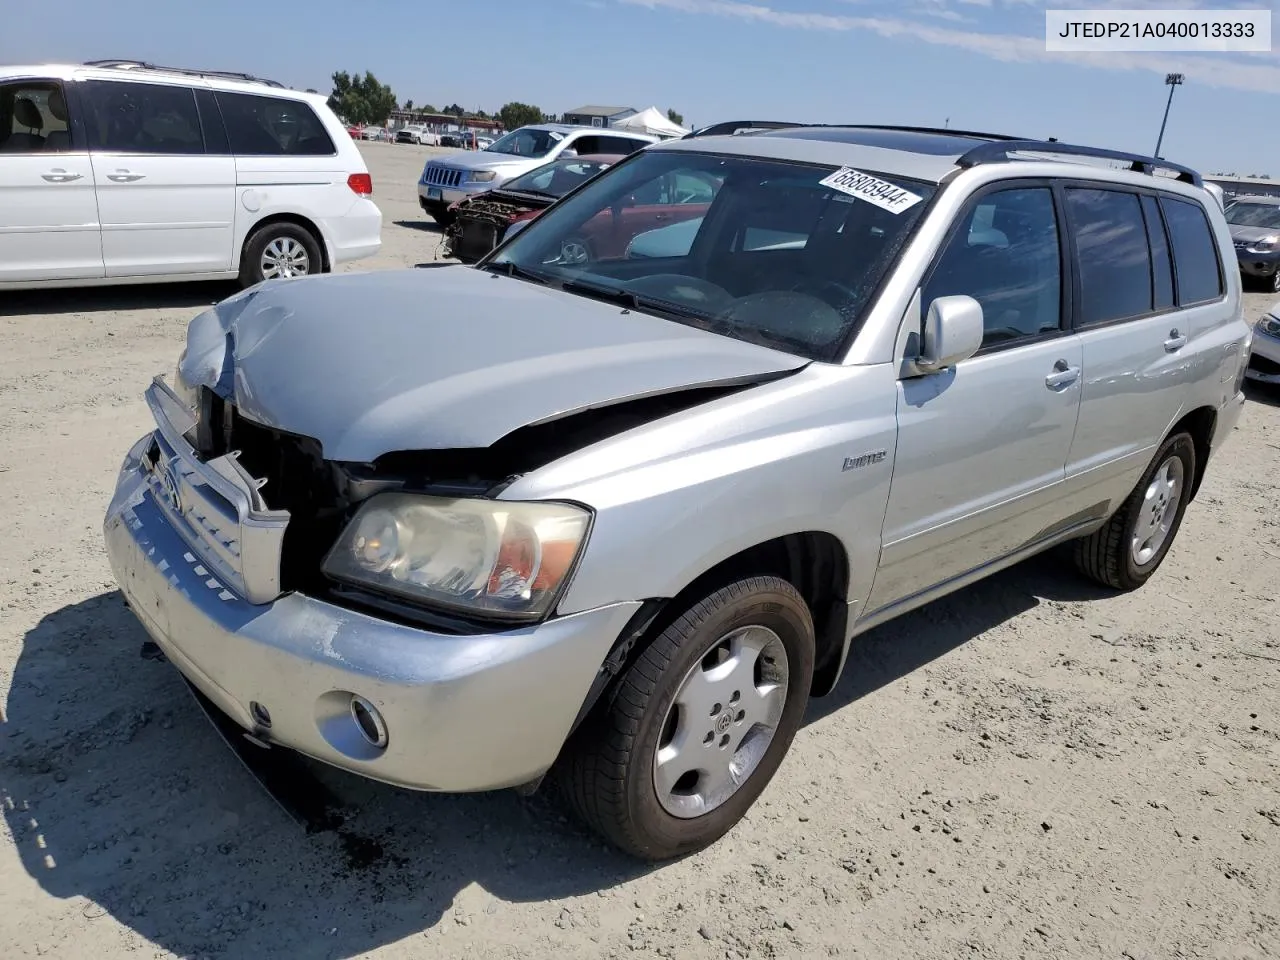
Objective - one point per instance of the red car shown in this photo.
(353, 132)
(482, 221)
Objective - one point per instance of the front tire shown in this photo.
(695, 728)
(1134, 542)
(279, 251)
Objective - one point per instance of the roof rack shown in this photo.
(1002, 150)
(183, 71)
(942, 131)
(731, 127)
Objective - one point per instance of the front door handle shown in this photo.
(58, 175)
(1175, 342)
(124, 176)
(1063, 376)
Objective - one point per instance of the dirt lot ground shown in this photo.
(1028, 769)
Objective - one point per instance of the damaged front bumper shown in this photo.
(459, 712)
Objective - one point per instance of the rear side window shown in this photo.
(273, 127)
(622, 145)
(1112, 253)
(129, 117)
(1161, 262)
(1195, 256)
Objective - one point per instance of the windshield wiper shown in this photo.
(512, 269)
(624, 298)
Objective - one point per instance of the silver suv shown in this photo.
(620, 517)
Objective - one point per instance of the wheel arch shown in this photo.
(815, 562)
(297, 220)
(1199, 424)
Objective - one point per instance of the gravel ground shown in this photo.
(1028, 769)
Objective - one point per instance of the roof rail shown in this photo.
(730, 127)
(182, 71)
(1001, 150)
(944, 131)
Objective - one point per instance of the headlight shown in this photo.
(482, 176)
(1269, 325)
(505, 559)
(1265, 245)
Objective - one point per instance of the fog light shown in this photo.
(369, 721)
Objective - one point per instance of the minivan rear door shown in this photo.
(166, 205)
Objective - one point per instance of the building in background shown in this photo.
(1233, 187)
(594, 115)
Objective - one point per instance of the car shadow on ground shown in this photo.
(426, 226)
(98, 299)
(1265, 393)
(123, 800)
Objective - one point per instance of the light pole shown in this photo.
(1172, 80)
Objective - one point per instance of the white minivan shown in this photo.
(123, 172)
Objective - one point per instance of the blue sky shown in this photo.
(979, 63)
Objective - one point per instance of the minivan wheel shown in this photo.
(1128, 550)
(693, 731)
(1273, 282)
(279, 251)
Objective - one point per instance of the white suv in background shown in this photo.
(122, 172)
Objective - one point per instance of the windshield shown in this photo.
(1248, 214)
(526, 142)
(556, 178)
(759, 250)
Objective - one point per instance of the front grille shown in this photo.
(438, 175)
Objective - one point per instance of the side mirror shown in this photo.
(568, 152)
(952, 332)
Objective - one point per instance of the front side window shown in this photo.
(1195, 255)
(754, 249)
(33, 117)
(271, 126)
(1112, 253)
(126, 117)
(527, 142)
(1005, 253)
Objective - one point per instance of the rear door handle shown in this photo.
(124, 176)
(1063, 376)
(1175, 342)
(58, 175)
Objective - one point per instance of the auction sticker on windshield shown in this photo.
(883, 194)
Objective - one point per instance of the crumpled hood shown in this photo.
(1252, 234)
(442, 358)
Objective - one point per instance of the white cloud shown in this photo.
(1213, 70)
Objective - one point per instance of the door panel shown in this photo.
(165, 206)
(165, 214)
(982, 451)
(982, 447)
(48, 218)
(1137, 358)
(48, 213)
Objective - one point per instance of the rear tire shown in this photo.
(286, 248)
(747, 650)
(1134, 542)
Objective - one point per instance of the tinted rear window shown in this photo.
(1111, 246)
(1195, 256)
(128, 117)
(272, 126)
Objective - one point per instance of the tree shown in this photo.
(408, 106)
(454, 110)
(361, 100)
(675, 118)
(516, 114)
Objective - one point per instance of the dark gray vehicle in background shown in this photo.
(1255, 231)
